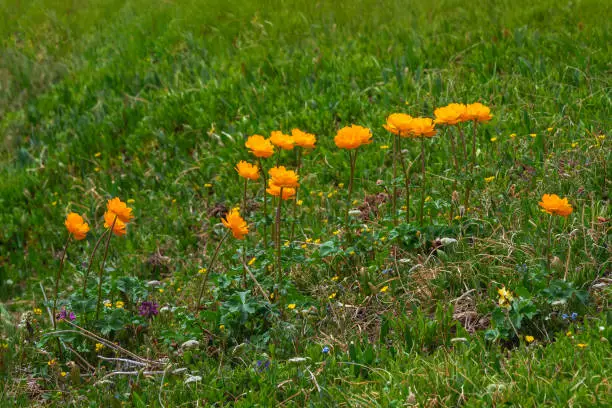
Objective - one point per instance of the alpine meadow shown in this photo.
(285, 203)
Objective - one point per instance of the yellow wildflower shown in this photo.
(489, 179)
(529, 339)
(332, 296)
(384, 289)
(291, 306)
(119, 304)
(99, 346)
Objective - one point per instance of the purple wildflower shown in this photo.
(64, 314)
(148, 309)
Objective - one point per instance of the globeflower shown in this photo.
(279, 139)
(399, 124)
(555, 205)
(111, 219)
(283, 177)
(422, 127)
(236, 224)
(120, 209)
(247, 170)
(259, 146)
(303, 139)
(451, 114)
(274, 190)
(351, 137)
(76, 226)
(478, 112)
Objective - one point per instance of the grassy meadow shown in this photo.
(456, 298)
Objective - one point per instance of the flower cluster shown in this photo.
(351, 137)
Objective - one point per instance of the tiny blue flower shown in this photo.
(574, 315)
(564, 316)
(325, 350)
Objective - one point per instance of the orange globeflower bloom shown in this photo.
(119, 208)
(478, 112)
(274, 190)
(303, 139)
(236, 223)
(451, 114)
(555, 205)
(399, 124)
(279, 139)
(283, 177)
(351, 137)
(259, 146)
(247, 170)
(422, 127)
(76, 226)
(118, 228)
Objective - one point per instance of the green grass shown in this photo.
(153, 102)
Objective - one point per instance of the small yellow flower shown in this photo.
(336, 232)
(355, 202)
(178, 289)
(404, 208)
(325, 221)
(202, 271)
(272, 295)
(383, 239)
(208, 185)
(160, 290)
(512, 135)
(286, 243)
(601, 137)
(332, 296)
(119, 304)
(63, 373)
(335, 278)
(222, 327)
(320, 194)
(37, 311)
(493, 139)
(300, 202)
(533, 135)
(457, 217)
(97, 169)
(489, 179)
(252, 261)
(384, 147)
(427, 199)
(51, 362)
(108, 304)
(131, 201)
(568, 334)
(329, 195)
(99, 346)
(529, 339)
(174, 201)
(98, 154)
(317, 241)
(574, 144)
(304, 246)
(550, 129)
(54, 203)
(341, 185)
(308, 240)
(384, 289)
(352, 253)
(581, 345)
(291, 306)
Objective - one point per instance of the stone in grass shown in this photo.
(190, 344)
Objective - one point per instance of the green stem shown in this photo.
(99, 302)
(394, 198)
(549, 248)
(244, 201)
(423, 181)
(278, 238)
(353, 161)
(297, 192)
(407, 182)
(210, 265)
(91, 258)
(58, 277)
(265, 206)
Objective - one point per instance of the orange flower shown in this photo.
(76, 226)
(399, 124)
(283, 177)
(555, 205)
(247, 170)
(118, 228)
(303, 139)
(236, 223)
(279, 139)
(351, 137)
(478, 112)
(259, 146)
(119, 208)
(451, 114)
(274, 190)
(422, 127)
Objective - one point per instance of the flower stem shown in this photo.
(423, 181)
(265, 206)
(407, 181)
(91, 258)
(99, 302)
(244, 201)
(394, 198)
(353, 160)
(297, 192)
(549, 248)
(278, 238)
(210, 265)
(58, 276)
